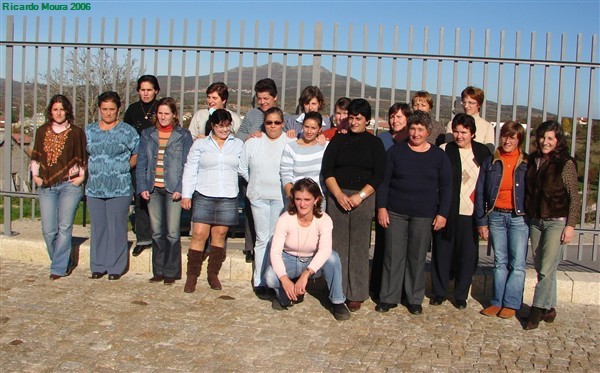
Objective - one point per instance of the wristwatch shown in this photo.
(362, 195)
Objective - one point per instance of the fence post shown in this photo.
(318, 44)
(8, 58)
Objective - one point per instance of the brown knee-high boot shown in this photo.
(194, 265)
(216, 258)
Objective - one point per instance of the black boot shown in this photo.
(535, 316)
(194, 265)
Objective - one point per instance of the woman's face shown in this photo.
(397, 121)
(147, 92)
(339, 115)
(462, 136)
(417, 134)
(509, 143)
(214, 101)
(548, 143)
(165, 116)
(109, 112)
(305, 202)
(311, 105)
(273, 125)
(357, 123)
(222, 130)
(421, 104)
(310, 130)
(470, 106)
(58, 113)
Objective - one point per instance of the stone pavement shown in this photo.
(78, 324)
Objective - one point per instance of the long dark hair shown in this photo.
(306, 185)
(561, 149)
(66, 104)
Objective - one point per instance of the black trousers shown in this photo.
(457, 254)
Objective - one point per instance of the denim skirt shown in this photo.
(215, 210)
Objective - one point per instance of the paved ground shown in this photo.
(79, 324)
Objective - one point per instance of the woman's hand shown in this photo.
(355, 200)
(344, 201)
(77, 181)
(300, 286)
(383, 217)
(176, 196)
(567, 234)
(291, 134)
(439, 222)
(321, 139)
(186, 203)
(38, 181)
(254, 134)
(483, 232)
(145, 195)
(289, 287)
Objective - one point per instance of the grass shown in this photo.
(24, 207)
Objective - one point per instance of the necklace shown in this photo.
(149, 112)
(307, 229)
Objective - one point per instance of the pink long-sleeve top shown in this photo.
(312, 241)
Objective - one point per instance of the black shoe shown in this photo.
(340, 312)
(169, 280)
(97, 275)
(385, 307)
(263, 293)
(415, 309)
(138, 249)
(156, 278)
(114, 277)
(278, 306)
(437, 300)
(249, 256)
(461, 304)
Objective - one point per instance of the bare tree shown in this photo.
(87, 73)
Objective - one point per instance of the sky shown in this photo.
(549, 19)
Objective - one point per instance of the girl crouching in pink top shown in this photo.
(301, 249)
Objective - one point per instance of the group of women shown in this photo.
(420, 194)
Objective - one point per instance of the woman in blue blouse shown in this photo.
(210, 178)
(112, 147)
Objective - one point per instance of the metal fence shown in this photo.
(524, 79)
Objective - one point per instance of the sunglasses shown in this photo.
(272, 122)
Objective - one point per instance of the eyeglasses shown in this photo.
(273, 122)
(222, 126)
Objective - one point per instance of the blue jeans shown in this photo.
(165, 215)
(509, 234)
(547, 253)
(265, 212)
(58, 204)
(332, 269)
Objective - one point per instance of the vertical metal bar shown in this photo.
(270, 55)
(349, 61)
(378, 84)
(75, 66)
(212, 52)
(240, 67)
(170, 58)
(24, 175)
(394, 67)
(317, 45)
(515, 81)
(455, 71)
(128, 67)
(439, 76)
(409, 64)
(561, 76)
(485, 72)
(8, 91)
(88, 57)
(364, 63)
(332, 98)
(425, 49)
(299, 72)
(115, 60)
(62, 55)
(576, 95)
(156, 40)
(546, 82)
(226, 62)
(500, 84)
(256, 29)
(35, 97)
(286, 29)
(471, 51)
(143, 42)
(49, 79)
(101, 59)
(530, 90)
(183, 73)
(197, 73)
